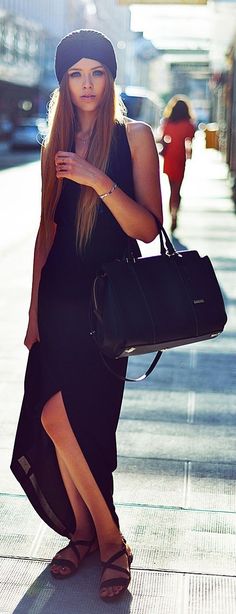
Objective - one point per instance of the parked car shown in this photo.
(141, 104)
(28, 134)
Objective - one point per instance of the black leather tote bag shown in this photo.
(149, 304)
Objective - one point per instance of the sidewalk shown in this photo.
(9, 158)
(175, 486)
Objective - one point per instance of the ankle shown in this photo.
(83, 532)
(108, 548)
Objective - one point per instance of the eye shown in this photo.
(76, 73)
(98, 72)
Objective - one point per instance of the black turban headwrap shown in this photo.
(84, 44)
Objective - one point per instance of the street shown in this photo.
(175, 483)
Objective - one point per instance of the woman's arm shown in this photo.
(41, 252)
(146, 171)
(134, 216)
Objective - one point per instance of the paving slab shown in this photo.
(178, 540)
(177, 441)
(29, 588)
(175, 482)
(36, 592)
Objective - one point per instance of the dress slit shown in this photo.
(66, 359)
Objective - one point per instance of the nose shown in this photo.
(87, 81)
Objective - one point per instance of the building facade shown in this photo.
(50, 14)
(29, 33)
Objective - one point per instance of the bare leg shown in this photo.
(174, 201)
(84, 522)
(57, 425)
(84, 529)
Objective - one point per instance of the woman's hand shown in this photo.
(70, 165)
(32, 333)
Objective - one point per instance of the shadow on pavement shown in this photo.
(80, 593)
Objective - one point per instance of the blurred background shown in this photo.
(176, 477)
(163, 49)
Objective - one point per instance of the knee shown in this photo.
(49, 417)
(46, 417)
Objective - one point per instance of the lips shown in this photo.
(89, 97)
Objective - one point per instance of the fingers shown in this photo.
(62, 167)
(71, 166)
(30, 340)
(64, 163)
(64, 157)
(65, 154)
(68, 165)
(29, 344)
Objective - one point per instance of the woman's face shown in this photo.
(87, 81)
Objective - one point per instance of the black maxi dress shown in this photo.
(67, 360)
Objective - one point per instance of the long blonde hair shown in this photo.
(61, 137)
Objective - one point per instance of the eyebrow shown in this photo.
(81, 69)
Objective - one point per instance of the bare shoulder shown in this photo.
(140, 134)
(145, 166)
(136, 129)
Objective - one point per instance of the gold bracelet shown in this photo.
(108, 193)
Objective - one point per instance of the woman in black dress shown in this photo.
(100, 184)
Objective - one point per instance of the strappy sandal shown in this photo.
(120, 581)
(61, 562)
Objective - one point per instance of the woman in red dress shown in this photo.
(177, 133)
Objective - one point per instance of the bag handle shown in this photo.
(133, 379)
(167, 249)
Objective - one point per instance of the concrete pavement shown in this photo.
(175, 484)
